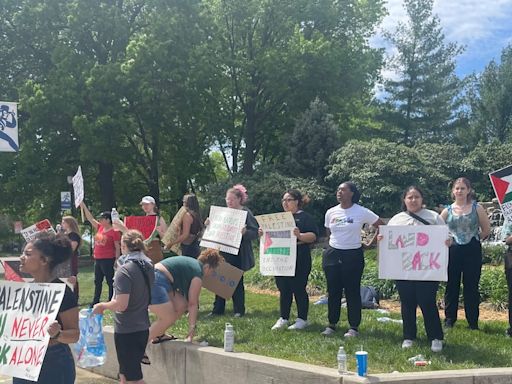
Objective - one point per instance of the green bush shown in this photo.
(493, 287)
(493, 254)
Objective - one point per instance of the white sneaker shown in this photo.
(407, 343)
(437, 345)
(299, 324)
(351, 333)
(280, 323)
(328, 331)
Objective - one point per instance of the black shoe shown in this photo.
(509, 332)
(449, 323)
(473, 327)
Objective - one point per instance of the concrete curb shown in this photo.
(178, 362)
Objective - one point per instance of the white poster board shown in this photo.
(78, 187)
(413, 252)
(23, 325)
(224, 231)
(278, 244)
(9, 127)
(29, 233)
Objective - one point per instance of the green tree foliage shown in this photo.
(424, 101)
(314, 138)
(491, 100)
(383, 169)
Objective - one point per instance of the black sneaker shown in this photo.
(448, 323)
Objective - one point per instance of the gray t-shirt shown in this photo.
(129, 280)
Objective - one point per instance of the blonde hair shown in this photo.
(133, 240)
(73, 224)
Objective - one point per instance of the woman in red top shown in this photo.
(107, 248)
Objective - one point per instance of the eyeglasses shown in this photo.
(288, 200)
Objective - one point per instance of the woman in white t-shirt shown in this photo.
(343, 259)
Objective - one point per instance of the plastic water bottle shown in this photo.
(90, 350)
(342, 361)
(114, 215)
(229, 338)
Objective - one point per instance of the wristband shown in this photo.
(56, 336)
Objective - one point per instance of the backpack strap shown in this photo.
(416, 217)
(145, 275)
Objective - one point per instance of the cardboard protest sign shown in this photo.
(225, 229)
(41, 226)
(26, 311)
(9, 127)
(278, 244)
(174, 230)
(145, 224)
(413, 252)
(78, 187)
(224, 280)
(501, 181)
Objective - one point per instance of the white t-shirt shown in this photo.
(403, 218)
(345, 225)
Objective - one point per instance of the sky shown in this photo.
(484, 27)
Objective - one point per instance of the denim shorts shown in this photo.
(161, 288)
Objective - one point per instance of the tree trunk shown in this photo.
(106, 183)
(250, 141)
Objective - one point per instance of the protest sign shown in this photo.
(26, 311)
(174, 230)
(413, 252)
(145, 224)
(224, 231)
(278, 244)
(501, 181)
(78, 187)
(9, 127)
(41, 226)
(11, 267)
(224, 280)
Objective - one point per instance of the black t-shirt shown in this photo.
(69, 301)
(305, 223)
(73, 236)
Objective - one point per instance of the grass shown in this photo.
(464, 348)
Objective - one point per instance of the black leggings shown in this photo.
(290, 286)
(465, 260)
(345, 275)
(103, 268)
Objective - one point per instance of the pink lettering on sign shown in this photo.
(421, 239)
(30, 355)
(27, 328)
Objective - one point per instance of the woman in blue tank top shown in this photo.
(468, 224)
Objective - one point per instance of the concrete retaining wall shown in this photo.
(183, 363)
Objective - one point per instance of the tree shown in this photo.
(314, 138)
(491, 104)
(424, 100)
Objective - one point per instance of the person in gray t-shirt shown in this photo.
(132, 295)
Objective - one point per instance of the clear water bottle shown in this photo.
(90, 350)
(342, 361)
(114, 215)
(229, 338)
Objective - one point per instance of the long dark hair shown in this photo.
(409, 189)
(192, 207)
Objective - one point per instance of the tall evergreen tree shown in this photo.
(424, 100)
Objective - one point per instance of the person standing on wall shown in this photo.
(107, 249)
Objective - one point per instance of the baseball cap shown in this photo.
(105, 215)
(147, 200)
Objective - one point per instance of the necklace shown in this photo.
(460, 208)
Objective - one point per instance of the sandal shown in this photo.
(163, 338)
(145, 360)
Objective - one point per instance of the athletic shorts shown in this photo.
(130, 348)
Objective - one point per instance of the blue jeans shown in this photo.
(58, 367)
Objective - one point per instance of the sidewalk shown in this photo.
(82, 377)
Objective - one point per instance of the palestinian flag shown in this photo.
(12, 270)
(277, 243)
(501, 181)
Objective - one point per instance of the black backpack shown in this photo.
(369, 298)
